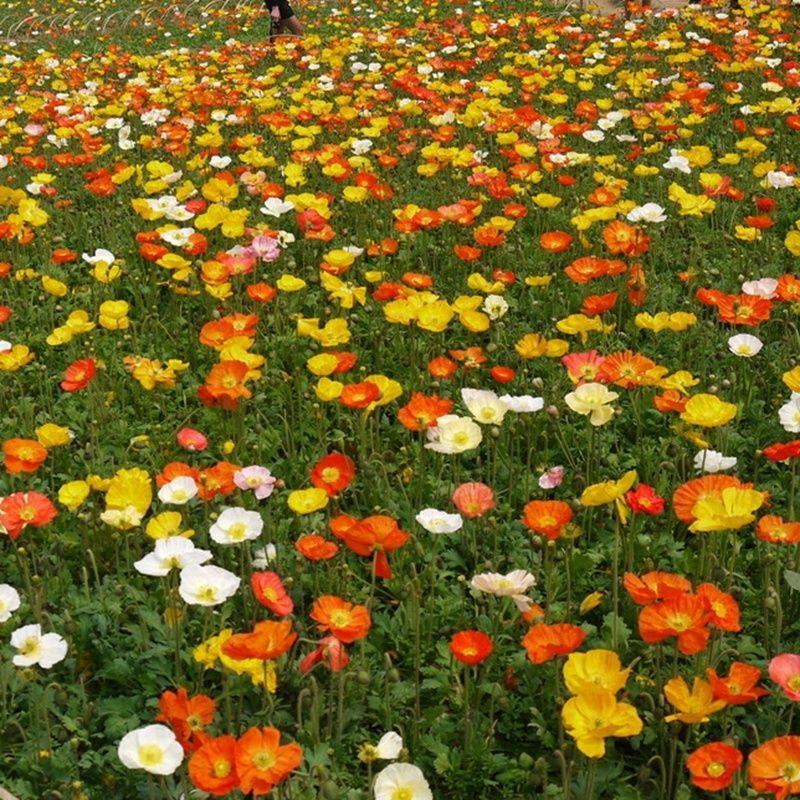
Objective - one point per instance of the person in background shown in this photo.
(282, 17)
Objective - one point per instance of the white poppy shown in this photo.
(389, 746)
(178, 491)
(484, 405)
(789, 414)
(763, 287)
(435, 521)
(649, 212)
(173, 552)
(207, 585)
(153, 748)
(9, 601)
(522, 404)
(263, 557)
(100, 256)
(514, 585)
(401, 781)
(237, 525)
(453, 434)
(275, 207)
(743, 344)
(33, 647)
(713, 461)
(495, 306)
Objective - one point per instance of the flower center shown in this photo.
(403, 793)
(221, 768)
(150, 755)
(237, 531)
(264, 759)
(715, 769)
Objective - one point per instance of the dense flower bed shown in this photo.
(406, 411)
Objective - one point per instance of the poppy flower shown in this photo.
(187, 716)
(333, 473)
(547, 517)
(503, 374)
(712, 767)
(684, 617)
(783, 451)
(331, 652)
(772, 528)
(23, 455)
(543, 642)
(78, 375)
(740, 685)
(315, 548)
(442, 367)
(654, 586)
(596, 304)
(695, 705)
(471, 647)
(262, 762)
(723, 610)
(375, 536)
(644, 500)
(422, 411)
(20, 509)
(775, 767)
(348, 622)
(269, 590)
(785, 671)
(473, 499)
(359, 395)
(267, 641)
(595, 715)
(555, 241)
(192, 440)
(212, 768)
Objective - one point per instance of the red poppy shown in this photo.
(471, 647)
(783, 451)
(333, 473)
(20, 509)
(359, 395)
(269, 590)
(79, 374)
(644, 500)
(330, 652)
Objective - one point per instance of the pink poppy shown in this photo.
(785, 671)
(473, 499)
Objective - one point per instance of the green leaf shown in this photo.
(793, 579)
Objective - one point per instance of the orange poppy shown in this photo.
(583, 367)
(262, 762)
(346, 621)
(217, 480)
(589, 268)
(555, 241)
(422, 411)
(775, 767)
(740, 685)
(772, 528)
(442, 367)
(713, 766)
(225, 385)
(187, 716)
(261, 292)
(333, 473)
(503, 374)
(269, 590)
(722, 608)
(467, 253)
(744, 309)
(543, 642)
(471, 647)
(788, 288)
(684, 617)
(313, 547)
(671, 400)
(627, 369)
(595, 304)
(267, 641)
(374, 536)
(623, 239)
(653, 586)
(23, 455)
(212, 768)
(359, 395)
(547, 517)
